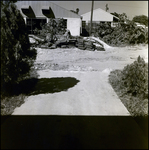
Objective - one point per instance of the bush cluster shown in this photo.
(53, 28)
(135, 78)
(124, 34)
(103, 29)
(131, 85)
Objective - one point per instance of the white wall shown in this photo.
(98, 15)
(74, 25)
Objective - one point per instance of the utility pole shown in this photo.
(91, 16)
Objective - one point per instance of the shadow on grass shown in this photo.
(36, 86)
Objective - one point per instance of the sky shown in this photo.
(131, 8)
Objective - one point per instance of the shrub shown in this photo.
(142, 19)
(126, 33)
(135, 78)
(52, 28)
(131, 85)
(16, 55)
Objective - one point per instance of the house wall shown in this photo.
(98, 15)
(74, 22)
(74, 25)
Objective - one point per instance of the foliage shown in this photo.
(131, 85)
(53, 27)
(8, 2)
(142, 19)
(122, 17)
(125, 33)
(115, 14)
(103, 29)
(135, 78)
(16, 55)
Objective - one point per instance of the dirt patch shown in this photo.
(74, 59)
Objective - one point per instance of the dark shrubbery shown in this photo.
(16, 55)
(104, 29)
(135, 78)
(53, 28)
(126, 32)
(131, 85)
(142, 19)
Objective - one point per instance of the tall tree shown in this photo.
(16, 55)
(142, 19)
(115, 14)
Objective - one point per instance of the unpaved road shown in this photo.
(92, 95)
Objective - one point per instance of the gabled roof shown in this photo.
(99, 15)
(37, 7)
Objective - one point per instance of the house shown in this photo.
(99, 15)
(37, 13)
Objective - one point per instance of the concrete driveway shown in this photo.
(92, 95)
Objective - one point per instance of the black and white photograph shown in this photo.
(74, 74)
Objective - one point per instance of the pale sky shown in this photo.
(131, 8)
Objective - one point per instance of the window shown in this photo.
(32, 24)
(114, 24)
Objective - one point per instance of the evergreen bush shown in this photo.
(16, 55)
(131, 85)
(135, 78)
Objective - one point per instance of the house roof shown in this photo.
(99, 15)
(37, 7)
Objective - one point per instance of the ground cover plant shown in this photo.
(131, 85)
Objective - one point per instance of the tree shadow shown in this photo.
(36, 86)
